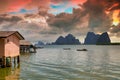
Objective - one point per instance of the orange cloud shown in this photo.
(12, 5)
(78, 1)
(16, 5)
(38, 3)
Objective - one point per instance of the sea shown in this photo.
(56, 62)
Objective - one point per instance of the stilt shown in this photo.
(29, 50)
(34, 49)
(4, 62)
(18, 59)
(8, 62)
(1, 61)
(14, 60)
(25, 50)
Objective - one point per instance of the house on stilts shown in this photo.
(27, 47)
(9, 47)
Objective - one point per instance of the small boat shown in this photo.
(82, 50)
(66, 48)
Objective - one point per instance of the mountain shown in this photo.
(67, 40)
(104, 39)
(61, 40)
(91, 38)
(94, 39)
(39, 44)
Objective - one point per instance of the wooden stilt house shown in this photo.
(27, 47)
(9, 47)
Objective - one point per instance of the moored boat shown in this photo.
(82, 50)
(66, 48)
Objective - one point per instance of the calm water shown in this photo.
(54, 63)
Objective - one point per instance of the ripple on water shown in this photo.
(58, 64)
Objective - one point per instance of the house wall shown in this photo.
(12, 46)
(1, 48)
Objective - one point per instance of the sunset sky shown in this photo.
(45, 20)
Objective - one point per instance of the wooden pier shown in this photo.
(27, 47)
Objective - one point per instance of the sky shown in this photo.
(46, 20)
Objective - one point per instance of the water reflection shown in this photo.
(66, 57)
(9, 73)
(97, 63)
(97, 59)
(89, 61)
(105, 61)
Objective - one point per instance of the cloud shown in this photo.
(84, 16)
(61, 21)
(96, 11)
(33, 31)
(78, 1)
(17, 5)
(38, 29)
(93, 9)
(66, 21)
(6, 18)
(12, 5)
(38, 3)
(71, 1)
(115, 29)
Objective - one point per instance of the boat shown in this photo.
(82, 50)
(66, 48)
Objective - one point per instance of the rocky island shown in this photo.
(97, 39)
(67, 40)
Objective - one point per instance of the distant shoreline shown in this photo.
(110, 44)
(88, 44)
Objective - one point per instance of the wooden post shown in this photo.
(10, 61)
(25, 50)
(34, 49)
(4, 62)
(18, 59)
(14, 60)
(28, 49)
